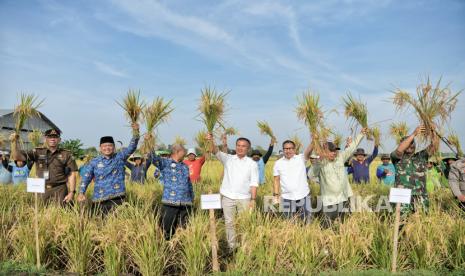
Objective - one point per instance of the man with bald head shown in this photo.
(178, 193)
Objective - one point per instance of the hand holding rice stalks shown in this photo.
(27, 108)
(399, 130)
(154, 115)
(265, 129)
(357, 111)
(133, 106)
(376, 132)
(432, 105)
(453, 139)
(310, 111)
(212, 108)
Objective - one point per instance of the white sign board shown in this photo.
(212, 201)
(400, 195)
(36, 185)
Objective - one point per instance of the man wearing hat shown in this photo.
(56, 165)
(447, 163)
(194, 164)
(457, 181)
(19, 170)
(261, 161)
(386, 172)
(290, 187)
(5, 175)
(108, 171)
(334, 182)
(411, 169)
(360, 166)
(138, 169)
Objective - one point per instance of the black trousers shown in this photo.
(337, 211)
(104, 207)
(172, 217)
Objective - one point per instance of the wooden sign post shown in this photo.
(398, 196)
(211, 202)
(36, 186)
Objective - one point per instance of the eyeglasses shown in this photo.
(288, 148)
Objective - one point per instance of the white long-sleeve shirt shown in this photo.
(239, 175)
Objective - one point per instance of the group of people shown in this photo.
(242, 176)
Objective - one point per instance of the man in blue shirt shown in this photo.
(178, 193)
(386, 172)
(261, 161)
(360, 165)
(108, 170)
(139, 168)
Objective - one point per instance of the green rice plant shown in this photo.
(265, 129)
(194, 244)
(454, 140)
(148, 250)
(212, 108)
(27, 108)
(433, 106)
(155, 114)
(76, 242)
(229, 131)
(456, 258)
(310, 111)
(398, 131)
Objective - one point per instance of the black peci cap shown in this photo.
(107, 139)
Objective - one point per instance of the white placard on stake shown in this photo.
(211, 201)
(400, 195)
(35, 185)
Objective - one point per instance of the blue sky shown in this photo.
(81, 56)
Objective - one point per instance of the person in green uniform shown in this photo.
(57, 166)
(411, 169)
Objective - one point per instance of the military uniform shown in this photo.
(54, 167)
(411, 174)
(457, 179)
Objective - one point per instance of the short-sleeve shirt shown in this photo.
(293, 177)
(58, 163)
(411, 171)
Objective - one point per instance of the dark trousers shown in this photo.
(300, 208)
(105, 207)
(333, 212)
(172, 217)
(55, 195)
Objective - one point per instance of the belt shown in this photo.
(53, 185)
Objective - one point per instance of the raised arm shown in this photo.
(129, 165)
(347, 153)
(125, 153)
(267, 155)
(407, 142)
(373, 155)
(213, 146)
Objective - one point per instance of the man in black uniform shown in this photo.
(57, 166)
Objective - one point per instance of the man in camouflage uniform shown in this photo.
(411, 170)
(56, 165)
(457, 181)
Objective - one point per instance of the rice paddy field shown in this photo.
(129, 241)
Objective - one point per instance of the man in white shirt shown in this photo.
(290, 179)
(239, 186)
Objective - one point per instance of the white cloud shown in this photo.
(110, 70)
